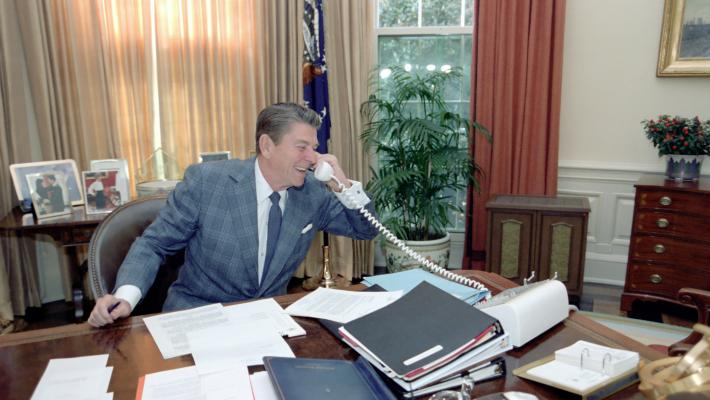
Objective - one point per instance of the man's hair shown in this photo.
(51, 177)
(275, 120)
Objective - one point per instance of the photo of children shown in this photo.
(101, 195)
(48, 192)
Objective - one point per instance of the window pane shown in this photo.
(441, 12)
(398, 13)
(421, 53)
(468, 17)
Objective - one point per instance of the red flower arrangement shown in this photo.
(679, 135)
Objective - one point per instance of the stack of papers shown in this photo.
(340, 305)
(425, 336)
(218, 336)
(407, 280)
(75, 378)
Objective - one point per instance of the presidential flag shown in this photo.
(315, 74)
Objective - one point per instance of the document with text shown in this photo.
(341, 305)
(218, 348)
(244, 314)
(170, 330)
(75, 378)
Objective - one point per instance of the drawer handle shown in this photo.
(659, 248)
(655, 278)
(662, 223)
(665, 201)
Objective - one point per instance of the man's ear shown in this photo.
(266, 145)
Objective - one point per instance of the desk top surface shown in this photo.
(16, 220)
(133, 353)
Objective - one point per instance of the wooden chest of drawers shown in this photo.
(670, 240)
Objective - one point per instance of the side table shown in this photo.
(69, 231)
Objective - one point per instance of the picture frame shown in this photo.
(214, 156)
(49, 194)
(123, 181)
(101, 191)
(67, 169)
(685, 39)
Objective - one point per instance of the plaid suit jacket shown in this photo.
(212, 214)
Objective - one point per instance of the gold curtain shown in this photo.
(125, 48)
(54, 107)
(210, 79)
(349, 39)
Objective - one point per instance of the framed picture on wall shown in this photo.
(49, 194)
(685, 39)
(65, 171)
(102, 191)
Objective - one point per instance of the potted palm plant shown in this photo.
(423, 158)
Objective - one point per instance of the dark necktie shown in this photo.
(272, 232)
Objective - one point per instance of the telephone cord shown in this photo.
(411, 253)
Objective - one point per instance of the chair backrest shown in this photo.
(110, 244)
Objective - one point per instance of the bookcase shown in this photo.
(546, 235)
(670, 240)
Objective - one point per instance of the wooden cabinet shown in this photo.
(547, 235)
(670, 240)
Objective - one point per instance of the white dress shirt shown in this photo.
(132, 294)
(263, 206)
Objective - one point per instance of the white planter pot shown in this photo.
(435, 250)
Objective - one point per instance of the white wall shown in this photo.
(609, 86)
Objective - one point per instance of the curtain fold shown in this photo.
(349, 41)
(515, 93)
(209, 77)
(54, 107)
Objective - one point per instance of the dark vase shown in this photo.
(681, 167)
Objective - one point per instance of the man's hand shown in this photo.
(337, 171)
(101, 315)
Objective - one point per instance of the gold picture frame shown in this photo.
(685, 39)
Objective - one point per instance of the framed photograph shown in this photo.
(64, 170)
(122, 179)
(685, 39)
(102, 194)
(49, 194)
(214, 156)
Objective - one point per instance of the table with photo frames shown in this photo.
(133, 352)
(69, 230)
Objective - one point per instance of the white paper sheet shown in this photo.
(170, 330)
(229, 384)
(341, 305)
(74, 378)
(220, 348)
(174, 384)
(262, 387)
(266, 309)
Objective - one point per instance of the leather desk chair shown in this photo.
(110, 244)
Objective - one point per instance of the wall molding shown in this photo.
(610, 189)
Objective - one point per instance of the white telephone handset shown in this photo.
(324, 173)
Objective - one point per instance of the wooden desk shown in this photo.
(133, 353)
(69, 231)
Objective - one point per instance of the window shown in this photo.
(426, 35)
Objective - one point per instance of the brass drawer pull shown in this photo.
(659, 248)
(662, 223)
(665, 201)
(655, 278)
